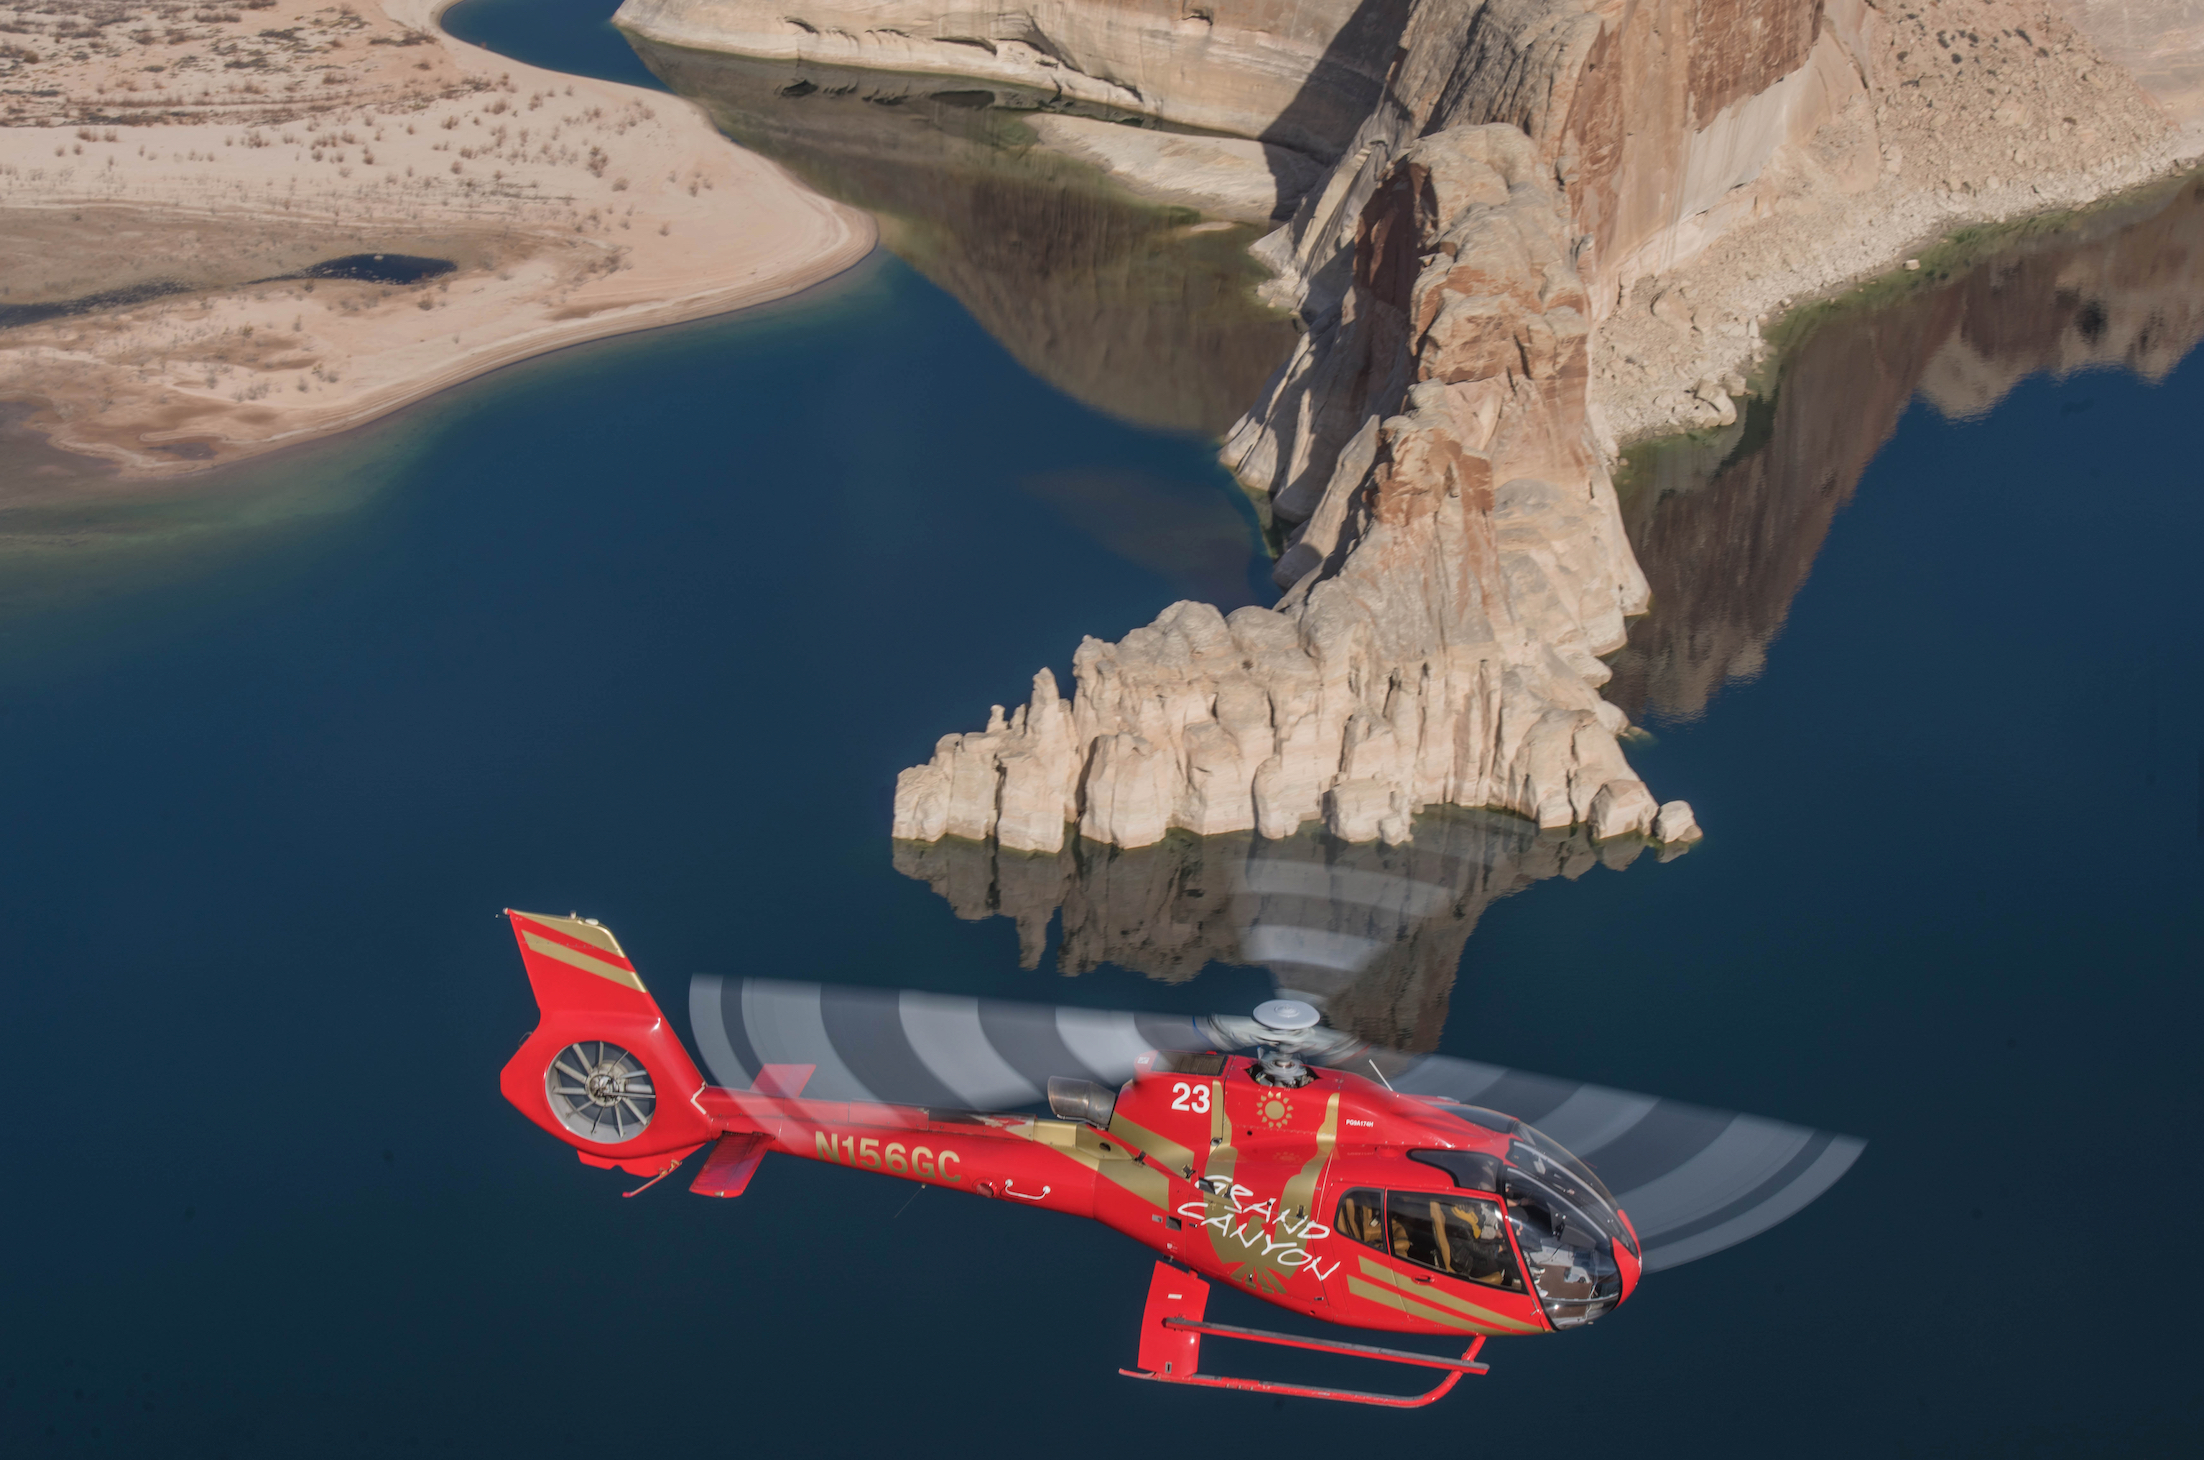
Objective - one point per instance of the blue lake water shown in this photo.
(647, 629)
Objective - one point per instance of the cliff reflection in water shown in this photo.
(1727, 525)
(1118, 303)
(1374, 934)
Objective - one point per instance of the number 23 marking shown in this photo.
(1181, 1093)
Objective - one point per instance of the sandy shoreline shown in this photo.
(573, 210)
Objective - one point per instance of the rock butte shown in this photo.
(1537, 220)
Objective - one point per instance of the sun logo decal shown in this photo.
(1274, 1113)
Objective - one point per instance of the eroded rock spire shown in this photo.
(1452, 587)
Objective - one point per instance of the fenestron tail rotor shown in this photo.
(1693, 1180)
(599, 1091)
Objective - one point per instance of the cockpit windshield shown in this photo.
(1571, 1259)
(1532, 1150)
(1565, 1220)
(1545, 1159)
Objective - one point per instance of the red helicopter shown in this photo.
(1385, 1201)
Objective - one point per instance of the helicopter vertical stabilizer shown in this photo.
(603, 1070)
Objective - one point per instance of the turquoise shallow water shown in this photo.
(647, 629)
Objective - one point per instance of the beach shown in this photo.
(184, 180)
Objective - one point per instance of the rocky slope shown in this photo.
(1545, 223)
(1969, 112)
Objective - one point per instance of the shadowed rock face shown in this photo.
(1373, 934)
(1112, 301)
(1727, 526)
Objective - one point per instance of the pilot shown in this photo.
(1484, 1257)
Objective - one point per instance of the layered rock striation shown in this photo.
(1504, 177)
(1302, 73)
(1453, 582)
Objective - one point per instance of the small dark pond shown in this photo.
(374, 268)
(368, 268)
(13, 315)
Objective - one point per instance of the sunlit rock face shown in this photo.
(1451, 586)
(1300, 72)
(1651, 111)
(1655, 119)
(1374, 934)
(1500, 174)
(1456, 563)
(1728, 525)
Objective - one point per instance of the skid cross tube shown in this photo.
(1296, 1391)
(1466, 1364)
(1455, 1368)
(1172, 1328)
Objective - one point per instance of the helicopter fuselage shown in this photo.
(1241, 1181)
(1331, 1195)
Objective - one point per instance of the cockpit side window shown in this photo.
(1461, 1236)
(1361, 1216)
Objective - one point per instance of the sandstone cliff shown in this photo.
(1456, 578)
(1300, 72)
(2159, 42)
(1496, 273)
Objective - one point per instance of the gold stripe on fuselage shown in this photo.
(1160, 1149)
(1406, 1287)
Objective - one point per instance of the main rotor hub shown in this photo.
(1287, 1016)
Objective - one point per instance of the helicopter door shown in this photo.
(1461, 1236)
(1440, 1257)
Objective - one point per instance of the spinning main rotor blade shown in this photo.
(901, 1047)
(1693, 1180)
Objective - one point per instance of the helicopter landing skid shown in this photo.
(1171, 1331)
